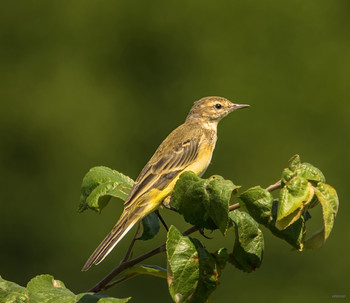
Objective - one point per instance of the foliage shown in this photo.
(203, 202)
(193, 272)
(45, 289)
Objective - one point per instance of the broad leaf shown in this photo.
(304, 170)
(183, 263)
(293, 234)
(45, 289)
(12, 292)
(151, 227)
(294, 199)
(328, 199)
(258, 201)
(100, 184)
(249, 243)
(193, 272)
(310, 172)
(203, 202)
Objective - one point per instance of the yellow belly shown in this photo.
(198, 167)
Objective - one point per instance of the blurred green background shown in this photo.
(87, 83)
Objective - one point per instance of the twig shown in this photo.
(126, 264)
(275, 186)
(119, 281)
(233, 207)
(131, 246)
(161, 220)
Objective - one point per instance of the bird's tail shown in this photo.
(125, 223)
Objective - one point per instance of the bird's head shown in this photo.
(213, 108)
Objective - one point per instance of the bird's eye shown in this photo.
(218, 105)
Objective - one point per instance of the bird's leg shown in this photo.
(161, 219)
(166, 204)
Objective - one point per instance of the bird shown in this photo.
(187, 148)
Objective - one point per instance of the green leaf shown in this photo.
(258, 201)
(112, 300)
(294, 199)
(304, 170)
(150, 225)
(45, 289)
(98, 298)
(249, 243)
(193, 272)
(203, 202)
(151, 270)
(329, 201)
(11, 292)
(100, 184)
(294, 162)
(310, 172)
(293, 234)
(183, 262)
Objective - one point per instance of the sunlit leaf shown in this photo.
(12, 292)
(329, 201)
(293, 234)
(45, 289)
(310, 172)
(294, 197)
(100, 184)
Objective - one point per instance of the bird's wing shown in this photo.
(160, 171)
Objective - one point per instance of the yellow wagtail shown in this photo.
(188, 148)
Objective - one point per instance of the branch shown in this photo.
(275, 186)
(127, 264)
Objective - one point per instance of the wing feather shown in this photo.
(159, 173)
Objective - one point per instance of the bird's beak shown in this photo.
(238, 106)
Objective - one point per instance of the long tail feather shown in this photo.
(124, 224)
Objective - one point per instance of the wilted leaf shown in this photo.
(258, 202)
(100, 184)
(150, 225)
(193, 272)
(328, 199)
(249, 243)
(203, 202)
(12, 292)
